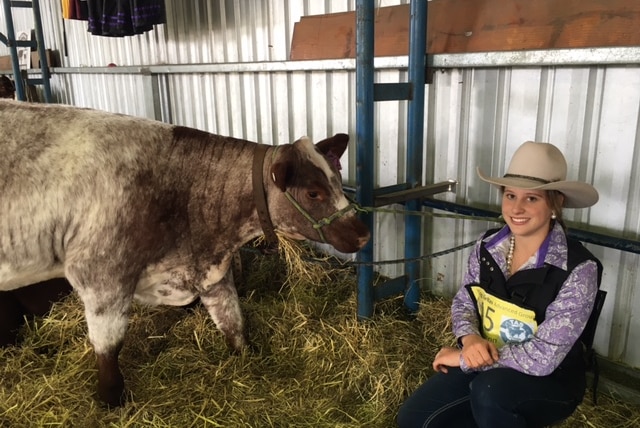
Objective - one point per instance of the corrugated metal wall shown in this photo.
(474, 117)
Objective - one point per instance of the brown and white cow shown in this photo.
(130, 208)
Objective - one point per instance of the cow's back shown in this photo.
(63, 170)
(68, 143)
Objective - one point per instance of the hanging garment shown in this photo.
(119, 18)
(75, 9)
(79, 10)
(66, 8)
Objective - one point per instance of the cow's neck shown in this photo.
(221, 212)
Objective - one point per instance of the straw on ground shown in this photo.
(312, 362)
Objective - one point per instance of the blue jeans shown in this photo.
(492, 399)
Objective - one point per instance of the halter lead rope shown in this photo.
(319, 224)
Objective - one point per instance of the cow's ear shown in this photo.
(280, 174)
(333, 147)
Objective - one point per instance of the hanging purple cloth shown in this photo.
(119, 18)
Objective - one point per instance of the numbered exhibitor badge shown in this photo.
(503, 322)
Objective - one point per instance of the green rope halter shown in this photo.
(319, 224)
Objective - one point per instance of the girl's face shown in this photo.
(526, 212)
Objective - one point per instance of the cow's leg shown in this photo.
(106, 333)
(221, 301)
(11, 318)
(106, 306)
(107, 321)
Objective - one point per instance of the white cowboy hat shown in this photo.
(541, 166)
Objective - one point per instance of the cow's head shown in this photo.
(310, 203)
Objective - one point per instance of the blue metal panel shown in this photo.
(392, 91)
(11, 41)
(365, 145)
(415, 136)
(365, 96)
(11, 36)
(44, 63)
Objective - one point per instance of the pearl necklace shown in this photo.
(512, 246)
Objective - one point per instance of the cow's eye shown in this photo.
(313, 195)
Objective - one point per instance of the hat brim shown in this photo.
(576, 193)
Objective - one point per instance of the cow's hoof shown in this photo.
(112, 397)
(237, 343)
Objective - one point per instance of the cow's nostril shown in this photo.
(363, 241)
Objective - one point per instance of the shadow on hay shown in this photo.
(27, 303)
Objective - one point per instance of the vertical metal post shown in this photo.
(151, 85)
(44, 63)
(415, 135)
(365, 146)
(11, 37)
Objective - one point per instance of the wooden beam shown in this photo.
(459, 26)
(334, 35)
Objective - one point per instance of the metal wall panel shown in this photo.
(474, 117)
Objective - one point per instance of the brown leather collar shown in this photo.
(259, 195)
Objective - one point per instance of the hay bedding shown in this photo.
(312, 363)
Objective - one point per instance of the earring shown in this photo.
(553, 216)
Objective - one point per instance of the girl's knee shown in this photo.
(494, 400)
(481, 390)
(403, 418)
(489, 391)
(411, 413)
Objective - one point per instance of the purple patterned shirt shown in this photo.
(565, 317)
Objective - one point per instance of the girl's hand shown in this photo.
(445, 358)
(478, 352)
